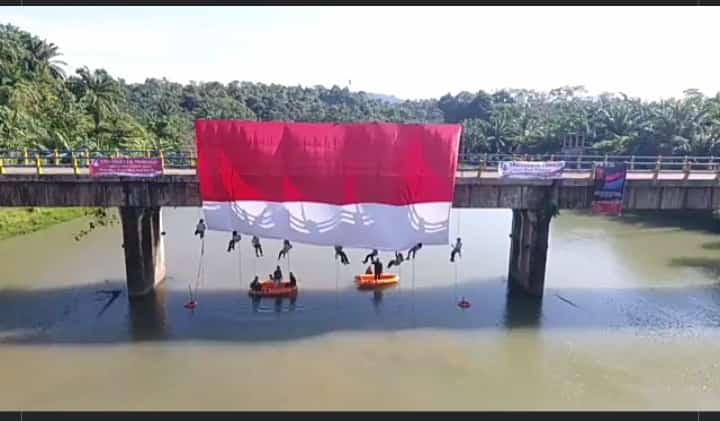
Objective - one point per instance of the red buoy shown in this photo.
(190, 305)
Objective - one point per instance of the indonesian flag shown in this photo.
(375, 185)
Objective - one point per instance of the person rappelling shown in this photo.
(200, 228)
(234, 240)
(414, 249)
(370, 257)
(257, 246)
(456, 250)
(377, 268)
(255, 284)
(341, 254)
(285, 249)
(397, 260)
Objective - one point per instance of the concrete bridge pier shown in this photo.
(528, 251)
(144, 249)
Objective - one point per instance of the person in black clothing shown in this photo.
(396, 261)
(369, 270)
(285, 249)
(257, 246)
(371, 256)
(234, 240)
(293, 281)
(277, 276)
(255, 284)
(414, 249)
(200, 228)
(378, 267)
(343, 257)
(456, 250)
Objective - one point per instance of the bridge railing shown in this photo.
(187, 159)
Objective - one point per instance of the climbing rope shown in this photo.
(462, 303)
(193, 299)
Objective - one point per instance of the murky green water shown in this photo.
(630, 319)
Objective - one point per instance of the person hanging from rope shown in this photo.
(200, 229)
(257, 246)
(293, 281)
(414, 249)
(277, 275)
(285, 249)
(456, 250)
(397, 260)
(378, 268)
(255, 284)
(371, 256)
(234, 240)
(341, 254)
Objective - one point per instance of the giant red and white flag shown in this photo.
(375, 185)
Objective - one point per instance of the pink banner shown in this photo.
(126, 167)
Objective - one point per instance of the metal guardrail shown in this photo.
(187, 159)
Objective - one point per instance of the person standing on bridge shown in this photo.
(234, 240)
(371, 256)
(456, 250)
(257, 246)
(200, 229)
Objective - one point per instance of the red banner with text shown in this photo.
(126, 167)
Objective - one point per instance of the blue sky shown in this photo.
(410, 52)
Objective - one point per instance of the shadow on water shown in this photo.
(75, 315)
(699, 221)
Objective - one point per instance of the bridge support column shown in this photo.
(528, 251)
(144, 249)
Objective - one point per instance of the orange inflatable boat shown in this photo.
(269, 289)
(368, 281)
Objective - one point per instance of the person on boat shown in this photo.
(378, 267)
(414, 249)
(456, 250)
(343, 257)
(293, 281)
(255, 284)
(285, 249)
(234, 240)
(277, 275)
(371, 256)
(257, 246)
(200, 228)
(397, 260)
(369, 270)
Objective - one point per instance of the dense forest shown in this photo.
(42, 107)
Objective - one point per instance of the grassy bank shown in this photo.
(18, 221)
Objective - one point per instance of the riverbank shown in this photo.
(21, 221)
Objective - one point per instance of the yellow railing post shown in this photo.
(25, 153)
(147, 153)
(57, 158)
(117, 153)
(76, 170)
(38, 166)
(2, 167)
(87, 157)
(193, 161)
(162, 162)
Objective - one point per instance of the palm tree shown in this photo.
(41, 58)
(100, 94)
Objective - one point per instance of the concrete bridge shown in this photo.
(478, 186)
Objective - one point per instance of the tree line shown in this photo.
(43, 108)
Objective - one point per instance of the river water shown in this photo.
(630, 320)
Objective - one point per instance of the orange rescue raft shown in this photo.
(368, 281)
(270, 289)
